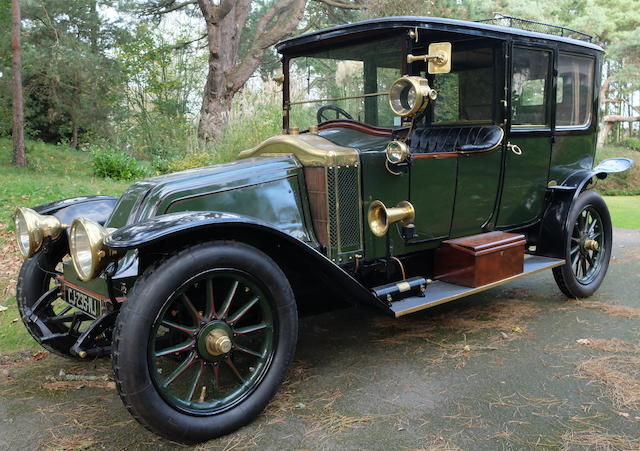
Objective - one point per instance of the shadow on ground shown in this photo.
(515, 367)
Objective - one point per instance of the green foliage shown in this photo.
(71, 81)
(625, 183)
(255, 116)
(162, 86)
(109, 162)
(54, 173)
(632, 143)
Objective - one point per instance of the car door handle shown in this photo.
(514, 148)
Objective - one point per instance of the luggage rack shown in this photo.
(540, 27)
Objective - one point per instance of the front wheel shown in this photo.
(204, 340)
(587, 247)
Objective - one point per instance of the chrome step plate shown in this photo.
(440, 292)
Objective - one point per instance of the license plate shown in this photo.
(82, 301)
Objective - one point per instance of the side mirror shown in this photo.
(438, 58)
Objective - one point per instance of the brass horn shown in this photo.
(380, 217)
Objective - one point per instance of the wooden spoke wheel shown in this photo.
(204, 340)
(587, 247)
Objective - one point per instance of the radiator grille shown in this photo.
(344, 208)
(333, 208)
(349, 204)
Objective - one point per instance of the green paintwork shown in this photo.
(266, 188)
(476, 192)
(97, 285)
(525, 180)
(432, 193)
(128, 204)
(276, 202)
(571, 153)
(378, 184)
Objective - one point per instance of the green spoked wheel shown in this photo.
(212, 342)
(587, 247)
(204, 340)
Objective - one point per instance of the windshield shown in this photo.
(349, 82)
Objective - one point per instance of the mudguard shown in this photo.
(198, 226)
(560, 198)
(97, 208)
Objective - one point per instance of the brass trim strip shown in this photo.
(471, 291)
(335, 99)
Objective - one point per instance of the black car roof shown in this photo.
(436, 23)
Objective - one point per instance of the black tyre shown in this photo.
(38, 299)
(204, 340)
(587, 247)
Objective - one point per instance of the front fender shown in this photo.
(159, 228)
(167, 232)
(97, 208)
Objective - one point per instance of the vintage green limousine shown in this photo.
(421, 160)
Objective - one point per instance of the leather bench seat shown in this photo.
(453, 139)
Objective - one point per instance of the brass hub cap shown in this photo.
(590, 245)
(215, 340)
(218, 342)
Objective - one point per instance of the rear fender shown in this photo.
(555, 226)
(160, 235)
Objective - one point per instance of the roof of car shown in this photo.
(436, 23)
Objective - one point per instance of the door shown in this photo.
(526, 161)
(432, 192)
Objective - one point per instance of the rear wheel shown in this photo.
(204, 340)
(587, 247)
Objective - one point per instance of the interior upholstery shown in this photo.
(452, 139)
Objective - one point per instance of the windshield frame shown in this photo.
(400, 34)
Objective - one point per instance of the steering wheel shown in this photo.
(321, 117)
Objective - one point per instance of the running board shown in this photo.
(440, 292)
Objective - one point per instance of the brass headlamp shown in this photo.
(397, 152)
(88, 252)
(410, 95)
(32, 229)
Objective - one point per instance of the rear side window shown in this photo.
(575, 91)
(529, 90)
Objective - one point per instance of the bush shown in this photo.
(115, 164)
(632, 143)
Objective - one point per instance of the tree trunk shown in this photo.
(222, 37)
(607, 124)
(19, 158)
(74, 134)
(227, 71)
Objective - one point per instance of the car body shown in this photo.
(458, 141)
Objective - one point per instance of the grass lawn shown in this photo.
(53, 173)
(625, 211)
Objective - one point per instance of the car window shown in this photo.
(529, 105)
(574, 90)
(467, 92)
(353, 78)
